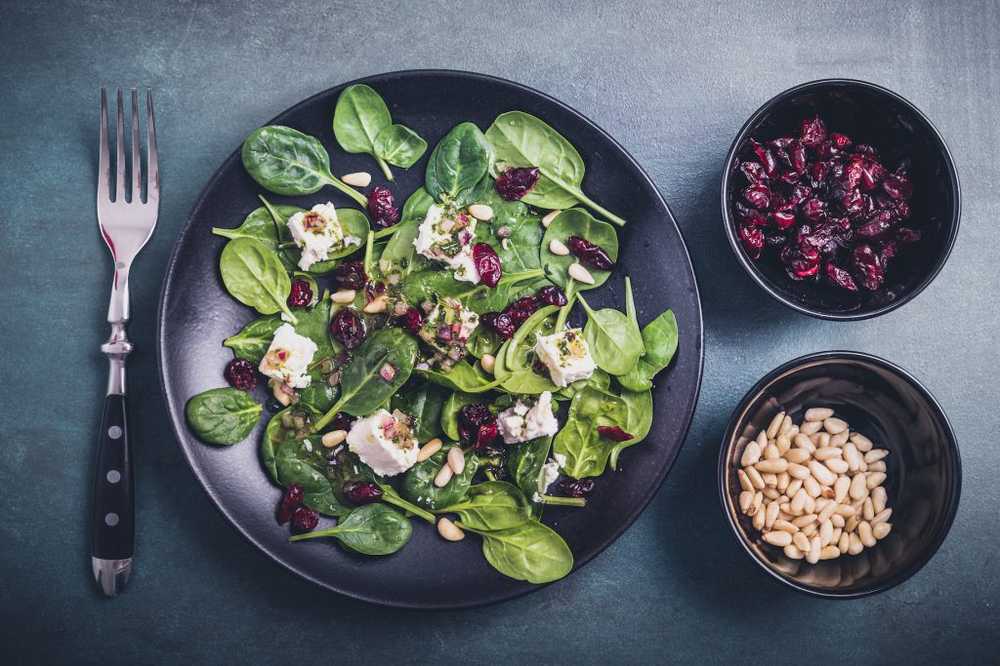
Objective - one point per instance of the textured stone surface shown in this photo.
(673, 84)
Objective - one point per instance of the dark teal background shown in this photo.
(673, 83)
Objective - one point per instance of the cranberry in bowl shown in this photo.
(840, 199)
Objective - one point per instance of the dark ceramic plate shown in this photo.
(196, 314)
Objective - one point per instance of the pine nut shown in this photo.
(334, 437)
(456, 459)
(859, 487)
(867, 509)
(844, 542)
(811, 487)
(489, 362)
(429, 449)
(803, 442)
(444, 476)
(357, 179)
(792, 553)
(879, 499)
(822, 473)
(770, 479)
(746, 498)
(837, 519)
(481, 212)
(840, 488)
(825, 532)
(744, 479)
(758, 520)
(783, 480)
(853, 457)
(772, 466)
(551, 215)
(778, 538)
(834, 425)
(837, 533)
(770, 515)
(863, 443)
(344, 296)
(846, 510)
(836, 465)
(798, 471)
(818, 414)
(826, 453)
(801, 541)
(829, 553)
(815, 548)
(758, 503)
(449, 530)
(878, 466)
(378, 304)
(580, 274)
(881, 530)
(822, 440)
(865, 534)
(784, 443)
(771, 493)
(558, 248)
(761, 440)
(785, 526)
(855, 546)
(799, 502)
(875, 455)
(840, 438)
(810, 427)
(797, 456)
(775, 425)
(786, 426)
(827, 511)
(881, 517)
(771, 452)
(810, 529)
(810, 506)
(793, 487)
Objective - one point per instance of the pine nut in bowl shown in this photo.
(840, 474)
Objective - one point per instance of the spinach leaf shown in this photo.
(585, 450)
(449, 412)
(519, 353)
(286, 161)
(253, 340)
(525, 464)
(520, 139)
(577, 222)
(373, 529)
(423, 403)
(599, 379)
(400, 256)
(490, 506)
(362, 388)
(638, 421)
(614, 339)
(362, 124)
(353, 223)
(520, 252)
(222, 416)
(257, 225)
(479, 298)
(462, 377)
(457, 164)
(314, 323)
(418, 483)
(254, 276)
(660, 340)
(531, 551)
(319, 395)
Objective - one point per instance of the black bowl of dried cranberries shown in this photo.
(840, 199)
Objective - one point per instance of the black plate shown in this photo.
(196, 314)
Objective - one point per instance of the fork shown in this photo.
(125, 225)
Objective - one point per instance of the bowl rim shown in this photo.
(730, 226)
(795, 364)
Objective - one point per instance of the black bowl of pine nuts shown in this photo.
(840, 474)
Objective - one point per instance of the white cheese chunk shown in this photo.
(550, 472)
(520, 424)
(447, 236)
(316, 232)
(566, 355)
(287, 359)
(381, 446)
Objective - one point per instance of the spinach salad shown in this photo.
(421, 360)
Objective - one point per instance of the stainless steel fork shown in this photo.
(126, 224)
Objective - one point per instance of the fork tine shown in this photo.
(103, 161)
(152, 159)
(136, 196)
(120, 152)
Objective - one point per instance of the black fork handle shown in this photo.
(113, 521)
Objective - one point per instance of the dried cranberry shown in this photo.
(840, 277)
(799, 194)
(348, 328)
(291, 500)
(749, 215)
(813, 132)
(552, 295)
(476, 414)
(853, 203)
(758, 196)
(487, 263)
(801, 260)
(576, 487)
(501, 322)
(350, 275)
(362, 492)
(241, 374)
(614, 433)
(753, 172)
(590, 254)
(382, 207)
(515, 182)
(797, 157)
(486, 435)
(342, 421)
(878, 225)
(887, 251)
(841, 141)
(304, 519)
(521, 309)
(783, 218)
(301, 294)
(872, 174)
(853, 172)
(412, 319)
(753, 240)
(868, 267)
(898, 187)
(766, 157)
(814, 209)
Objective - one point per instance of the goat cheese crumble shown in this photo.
(566, 355)
(520, 423)
(287, 359)
(446, 235)
(384, 442)
(316, 232)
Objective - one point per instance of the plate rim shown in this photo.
(178, 426)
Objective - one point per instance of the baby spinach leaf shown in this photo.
(531, 551)
(490, 506)
(599, 379)
(519, 353)
(462, 377)
(222, 416)
(400, 256)
(614, 339)
(254, 276)
(286, 161)
(457, 164)
(362, 124)
(373, 529)
(362, 388)
(479, 298)
(660, 340)
(449, 412)
(525, 464)
(353, 223)
(520, 139)
(418, 483)
(520, 252)
(585, 450)
(257, 225)
(423, 403)
(577, 222)
(253, 340)
(638, 421)
(314, 323)
(319, 394)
